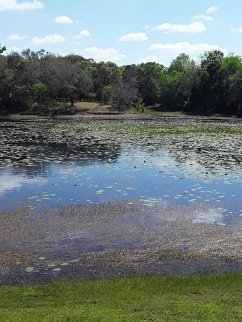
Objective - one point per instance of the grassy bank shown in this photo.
(201, 298)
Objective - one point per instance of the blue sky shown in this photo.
(123, 31)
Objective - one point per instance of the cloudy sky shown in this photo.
(123, 31)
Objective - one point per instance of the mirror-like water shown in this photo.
(69, 163)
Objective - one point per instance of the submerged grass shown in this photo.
(200, 298)
(162, 129)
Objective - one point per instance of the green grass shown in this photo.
(201, 298)
(152, 112)
(163, 129)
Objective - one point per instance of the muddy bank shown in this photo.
(114, 239)
(116, 116)
(79, 116)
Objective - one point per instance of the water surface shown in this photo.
(49, 163)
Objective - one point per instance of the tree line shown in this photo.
(214, 85)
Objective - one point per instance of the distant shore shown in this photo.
(112, 116)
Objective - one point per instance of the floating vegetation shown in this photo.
(57, 269)
(115, 235)
(185, 160)
(191, 165)
(29, 269)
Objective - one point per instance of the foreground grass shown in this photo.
(202, 298)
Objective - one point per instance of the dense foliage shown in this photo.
(30, 79)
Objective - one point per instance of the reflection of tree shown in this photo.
(218, 155)
(31, 146)
(31, 151)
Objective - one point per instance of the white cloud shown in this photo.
(17, 37)
(15, 49)
(83, 34)
(134, 36)
(184, 47)
(192, 28)
(102, 54)
(211, 10)
(207, 16)
(203, 18)
(64, 20)
(149, 59)
(238, 30)
(14, 5)
(49, 39)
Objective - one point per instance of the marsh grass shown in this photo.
(178, 127)
(201, 298)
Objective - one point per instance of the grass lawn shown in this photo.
(201, 298)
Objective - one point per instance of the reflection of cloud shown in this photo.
(10, 182)
(209, 216)
(194, 162)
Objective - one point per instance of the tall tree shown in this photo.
(150, 76)
(207, 96)
(182, 64)
(71, 80)
(104, 74)
(123, 95)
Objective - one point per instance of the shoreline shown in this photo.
(110, 240)
(121, 116)
(83, 270)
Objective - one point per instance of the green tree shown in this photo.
(104, 74)
(234, 103)
(168, 89)
(39, 91)
(182, 64)
(149, 77)
(208, 93)
(107, 94)
(139, 105)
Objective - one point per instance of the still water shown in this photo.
(51, 163)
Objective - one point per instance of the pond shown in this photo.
(182, 161)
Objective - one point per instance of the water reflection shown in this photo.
(10, 182)
(39, 158)
(70, 163)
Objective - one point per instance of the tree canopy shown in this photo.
(214, 85)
